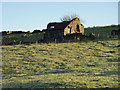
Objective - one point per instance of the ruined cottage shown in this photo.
(60, 29)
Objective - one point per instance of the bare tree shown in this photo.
(69, 17)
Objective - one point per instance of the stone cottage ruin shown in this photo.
(60, 29)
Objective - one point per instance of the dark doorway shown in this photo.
(70, 29)
(78, 29)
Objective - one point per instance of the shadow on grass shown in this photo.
(108, 73)
(67, 41)
(54, 84)
(51, 72)
(114, 60)
(103, 56)
(44, 84)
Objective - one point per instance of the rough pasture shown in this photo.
(92, 64)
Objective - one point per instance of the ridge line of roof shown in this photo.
(62, 21)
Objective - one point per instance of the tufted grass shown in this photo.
(92, 64)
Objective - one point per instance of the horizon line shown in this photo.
(43, 29)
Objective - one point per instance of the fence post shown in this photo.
(55, 40)
(37, 42)
(20, 42)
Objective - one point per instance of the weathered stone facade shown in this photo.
(74, 27)
(61, 29)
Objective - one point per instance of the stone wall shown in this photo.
(74, 27)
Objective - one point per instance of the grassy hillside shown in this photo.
(79, 65)
(100, 30)
(21, 38)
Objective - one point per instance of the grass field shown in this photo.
(92, 64)
(100, 30)
(21, 38)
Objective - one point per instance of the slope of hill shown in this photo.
(72, 65)
(101, 30)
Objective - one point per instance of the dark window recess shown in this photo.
(78, 29)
